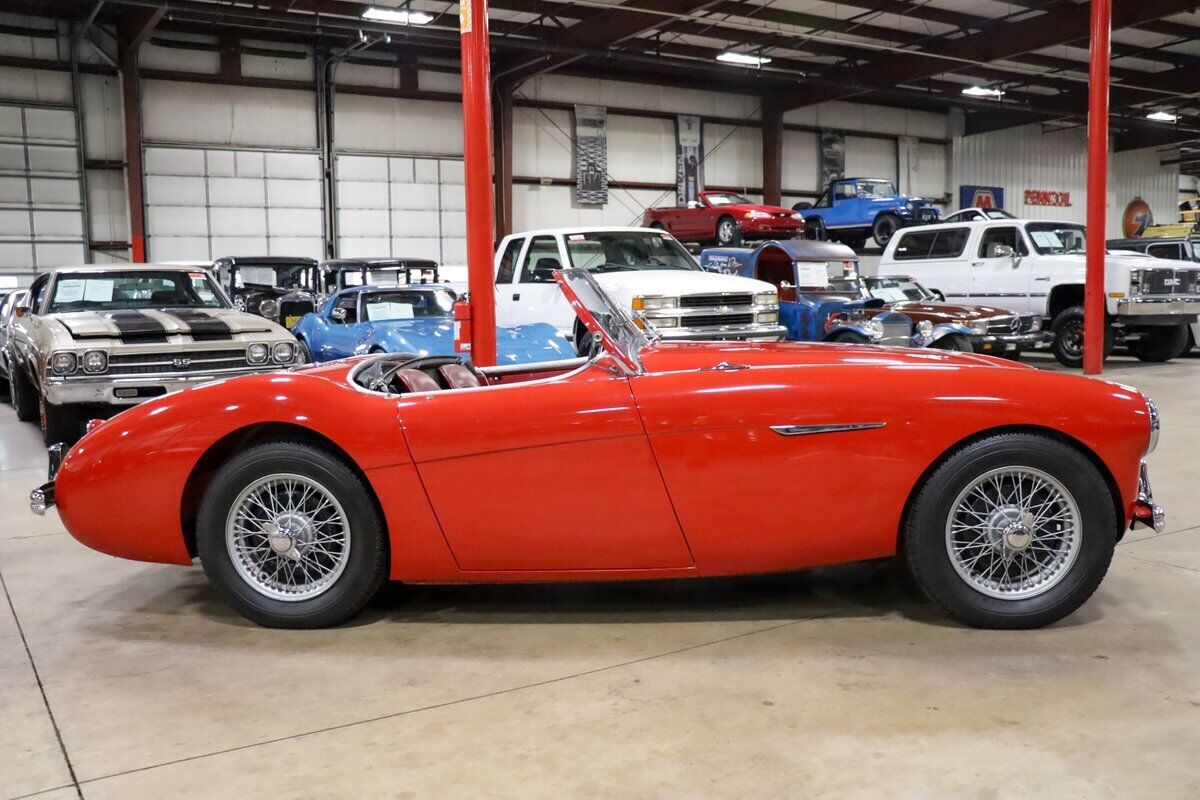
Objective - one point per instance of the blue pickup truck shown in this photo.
(851, 210)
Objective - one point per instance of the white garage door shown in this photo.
(401, 206)
(206, 203)
(41, 213)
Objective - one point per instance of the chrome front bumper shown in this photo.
(103, 390)
(42, 498)
(759, 333)
(1144, 306)
(1002, 342)
(1146, 512)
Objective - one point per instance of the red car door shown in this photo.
(544, 475)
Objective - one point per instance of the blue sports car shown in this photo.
(411, 319)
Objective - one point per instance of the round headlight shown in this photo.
(269, 308)
(1155, 424)
(925, 328)
(283, 352)
(63, 363)
(95, 361)
(258, 353)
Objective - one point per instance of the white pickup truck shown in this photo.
(1038, 266)
(646, 270)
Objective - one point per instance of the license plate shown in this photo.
(288, 322)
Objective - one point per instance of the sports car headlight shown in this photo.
(63, 363)
(283, 352)
(797, 216)
(925, 328)
(1155, 424)
(269, 308)
(756, 214)
(258, 353)
(641, 303)
(95, 361)
(766, 299)
(980, 326)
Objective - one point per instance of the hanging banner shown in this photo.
(833, 157)
(689, 159)
(591, 156)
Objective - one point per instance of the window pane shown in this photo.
(949, 243)
(915, 245)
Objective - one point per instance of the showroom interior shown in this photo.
(621, 540)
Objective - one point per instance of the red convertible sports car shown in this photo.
(724, 218)
(302, 491)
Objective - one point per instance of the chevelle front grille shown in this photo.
(715, 300)
(711, 320)
(125, 364)
(1169, 281)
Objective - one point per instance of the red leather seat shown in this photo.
(456, 376)
(414, 380)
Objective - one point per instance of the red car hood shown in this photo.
(676, 356)
(742, 208)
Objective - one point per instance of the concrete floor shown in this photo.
(124, 680)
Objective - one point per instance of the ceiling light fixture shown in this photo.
(1163, 116)
(743, 58)
(399, 16)
(982, 91)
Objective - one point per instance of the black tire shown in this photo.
(955, 342)
(585, 345)
(884, 228)
(306, 356)
(23, 394)
(59, 423)
(728, 232)
(926, 537)
(849, 337)
(1191, 343)
(1067, 346)
(1160, 343)
(814, 228)
(366, 565)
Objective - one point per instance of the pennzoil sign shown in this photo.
(1043, 197)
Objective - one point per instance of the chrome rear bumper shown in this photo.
(1146, 512)
(42, 498)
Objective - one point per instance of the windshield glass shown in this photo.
(285, 277)
(112, 291)
(877, 188)
(897, 290)
(726, 199)
(623, 251)
(997, 213)
(1196, 251)
(1057, 238)
(622, 338)
(386, 306)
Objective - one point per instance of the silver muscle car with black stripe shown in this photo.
(94, 337)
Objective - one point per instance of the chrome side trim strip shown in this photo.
(804, 430)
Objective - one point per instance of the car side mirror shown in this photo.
(338, 315)
(937, 294)
(695, 204)
(21, 311)
(1003, 251)
(786, 285)
(598, 338)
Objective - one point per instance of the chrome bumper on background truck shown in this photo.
(1151, 306)
(756, 333)
(42, 497)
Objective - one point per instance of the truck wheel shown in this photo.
(59, 423)
(1068, 337)
(1160, 343)
(22, 393)
(885, 228)
(814, 228)
(728, 232)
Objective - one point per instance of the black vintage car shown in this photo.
(1183, 248)
(341, 273)
(280, 288)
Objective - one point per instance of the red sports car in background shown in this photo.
(726, 219)
(301, 492)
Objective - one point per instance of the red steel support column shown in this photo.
(477, 160)
(1094, 320)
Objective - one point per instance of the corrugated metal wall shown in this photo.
(1025, 158)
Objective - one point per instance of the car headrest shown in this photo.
(457, 376)
(414, 380)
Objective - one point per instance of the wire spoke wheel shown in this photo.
(1013, 533)
(288, 537)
